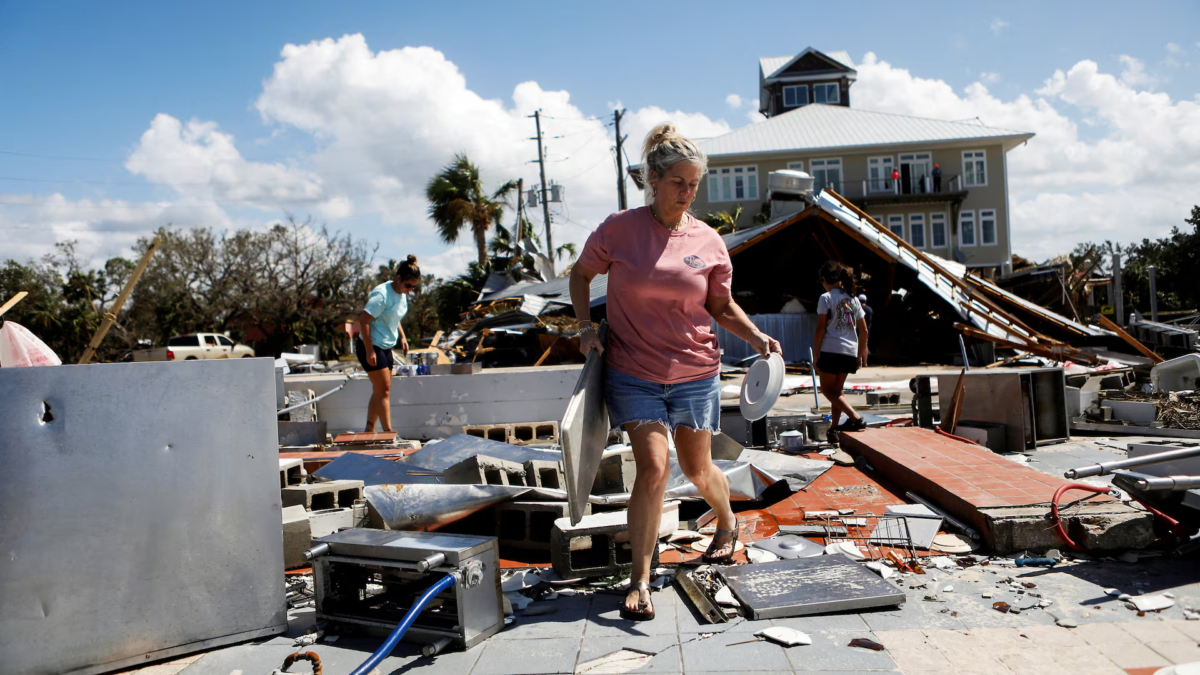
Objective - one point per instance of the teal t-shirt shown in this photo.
(388, 307)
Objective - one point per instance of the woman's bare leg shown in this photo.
(646, 501)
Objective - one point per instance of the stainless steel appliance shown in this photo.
(373, 577)
(1030, 402)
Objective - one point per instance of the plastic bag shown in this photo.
(19, 347)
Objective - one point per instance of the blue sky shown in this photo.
(86, 80)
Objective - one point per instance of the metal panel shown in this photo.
(795, 333)
(804, 586)
(1029, 402)
(376, 471)
(139, 513)
(445, 454)
(584, 431)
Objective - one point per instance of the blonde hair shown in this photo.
(664, 148)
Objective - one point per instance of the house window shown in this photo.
(937, 230)
(796, 166)
(879, 219)
(916, 229)
(974, 171)
(987, 227)
(827, 174)
(896, 225)
(879, 174)
(825, 93)
(733, 183)
(794, 97)
(966, 228)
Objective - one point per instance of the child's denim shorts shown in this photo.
(696, 404)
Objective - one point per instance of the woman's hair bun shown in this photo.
(411, 260)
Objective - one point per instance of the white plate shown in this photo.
(760, 389)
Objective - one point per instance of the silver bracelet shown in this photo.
(590, 328)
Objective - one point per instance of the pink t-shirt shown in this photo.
(658, 283)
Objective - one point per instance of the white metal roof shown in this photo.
(817, 126)
(771, 64)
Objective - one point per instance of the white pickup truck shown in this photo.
(195, 346)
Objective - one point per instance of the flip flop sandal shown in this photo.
(709, 559)
(639, 614)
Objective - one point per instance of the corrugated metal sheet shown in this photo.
(819, 126)
(1038, 309)
(795, 333)
(557, 290)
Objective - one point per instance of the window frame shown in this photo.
(837, 93)
(887, 171)
(817, 184)
(729, 187)
(225, 342)
(963, 218)
(995, 227)
(940, 218)
(970, 156)
(804, 99)
(912, 229)
(894, 218)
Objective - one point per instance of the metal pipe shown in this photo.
(435, 560)
(1167, 482)
(1105, 468)
(435, 648)
(311, 401)
(963, 347)
(812, 363)
(1153, 294)
(316, 552)
(966, 529)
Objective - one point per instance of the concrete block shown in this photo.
(306, 413)
(883, 398)
(994, 435)
(321, 496)
(328, 521)
(501, 433)
(297, 536)
(545, 475)
(302, 433)
(534, 432)
(484, 470)
(616, 474)
(1103, 526)
(530, 525)
(291, 472)
(360, 517)
(599, 545)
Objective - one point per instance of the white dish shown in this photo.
(760, 389)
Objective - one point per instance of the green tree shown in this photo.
(457, 200)
(725, 222)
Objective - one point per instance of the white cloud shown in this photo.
(1134, 73)
(1137, 180)
(734, 101)
(989, 78)
(1173, 48)
(998, 25)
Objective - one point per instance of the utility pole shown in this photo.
(520, 210)
(1116, 286)
(617, 114)
(537, 119)
(1153, 295)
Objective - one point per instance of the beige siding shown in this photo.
(854, 173)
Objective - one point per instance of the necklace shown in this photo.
(674, 228)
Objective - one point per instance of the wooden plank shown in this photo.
(1133, 342)
(12, 301)
(950, 416)
(987, 287)
(1057, 352)
(111, 315)
(547, 352)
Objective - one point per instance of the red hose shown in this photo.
(957, 438)
(1177, 528)
(899, 422)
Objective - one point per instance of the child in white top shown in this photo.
(841, 340)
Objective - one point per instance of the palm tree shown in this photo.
(457, 198)
(725, 222)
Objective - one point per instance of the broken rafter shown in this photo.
(12, 301)
(996, 292)
(1133, 342)
(968, 290)
(1056, 352)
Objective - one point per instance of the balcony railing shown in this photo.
(872, 187)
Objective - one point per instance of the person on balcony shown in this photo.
(937, 178)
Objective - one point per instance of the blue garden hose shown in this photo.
(402, 628)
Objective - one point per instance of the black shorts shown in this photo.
(383, 357)
(837, 364)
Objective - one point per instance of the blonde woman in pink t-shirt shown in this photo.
(669, 278)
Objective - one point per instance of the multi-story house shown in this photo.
(886, 164)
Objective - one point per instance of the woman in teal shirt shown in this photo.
(379, 331)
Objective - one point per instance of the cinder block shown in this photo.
(596, 547)
(534, 432)
(360, 514)
(326, 522)
(306, 413)
(320, 496)
(291, 472)
(883, 398)
(545, 475)
(297, 536)
(484, 470)
(501, 433)
(616, 474)
(530, 525)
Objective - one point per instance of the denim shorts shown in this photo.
(696, 404)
